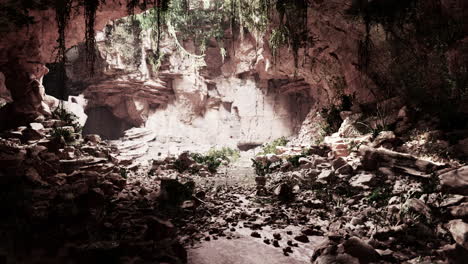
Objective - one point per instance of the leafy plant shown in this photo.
(262, 168)
(380, 196)
(332, 118)
(294, 160)
(69, 118)
(214, 157)
(270, 148)
(66, 134)
(278, 38)
(123, 173)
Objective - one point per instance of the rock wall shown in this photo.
(25, 51)
(246, 91)
(247, 95)
(197, 101)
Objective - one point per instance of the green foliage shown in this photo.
(380, 196)
(124, 37)
(155, 60)
(265, 167)
(270, 148)
(332, 114)
(214, 157)
(294, 160)
(63, 133)
(69, 118)
(278, 38)
(418, 37)
(123, 173)
(200, 25)
(224, 153)
(332, 118)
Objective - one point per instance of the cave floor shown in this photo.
(241, 227)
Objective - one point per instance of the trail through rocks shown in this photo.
(241, 226)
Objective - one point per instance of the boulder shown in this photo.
(455, 181)
(459, 211)
(375, 158)
(361, 250)
(418, 207)
(336, 259)
(459, 231)
(454, 253)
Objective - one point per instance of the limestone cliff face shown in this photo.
(188, 98)
(244, 94)
(247, 95)
(25, 51)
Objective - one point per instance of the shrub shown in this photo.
(69, 118)
(214, 157)
(224, 153)
(66, 134)
(270, 148)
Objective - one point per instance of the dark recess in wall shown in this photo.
(101, 121)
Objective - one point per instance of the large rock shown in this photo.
(459, 231)
(361, 250)
(455, 181)
(375, 158)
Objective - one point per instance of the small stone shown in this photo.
(302, 238)
(276, 243)
(287, 250)
(277, 236)
(36, 126)
(255, 234)
(363, 180)
(346, 169)
(325, 175)
(338, 163)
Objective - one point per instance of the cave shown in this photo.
(233, 131)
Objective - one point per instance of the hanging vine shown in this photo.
(90, 8)
(62, 17)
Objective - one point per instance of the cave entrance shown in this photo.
(101, 121)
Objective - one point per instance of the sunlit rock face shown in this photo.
(25, 51)
(189, 99)
(182, 92)
(244, 95)
(234, 111)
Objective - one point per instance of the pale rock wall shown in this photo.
(243, 114)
